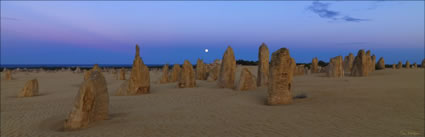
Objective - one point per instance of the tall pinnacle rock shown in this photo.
(263, 65)
(139, 82)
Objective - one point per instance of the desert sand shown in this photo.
(386, 103)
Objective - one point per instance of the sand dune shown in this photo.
(386, 103)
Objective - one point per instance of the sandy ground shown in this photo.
(387, 103)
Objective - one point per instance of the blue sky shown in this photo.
(105, 32)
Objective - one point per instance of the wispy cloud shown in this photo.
(322, 9)
(9, 18)
(348, 18)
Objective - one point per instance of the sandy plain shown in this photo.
(386, 103)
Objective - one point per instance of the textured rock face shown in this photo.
(214, 71)
(187, 76)
(407, 64)
(246, 81)
(122, 74)
(360, 64)
(348, 62)
(91, 103)
(369, 61)
(201, 70)
(30, 89)
(280, 77)
(139, 82)
(263, 65)
(423, 63)
(8, 74)
(399, 65)
(373, 63)
(381, 63)
(336, 69)
(315, 65)
(88, 73)
(226, 77)
(176, 73)
(164, 77)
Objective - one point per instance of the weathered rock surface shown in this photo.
(30, 89)
(175, 74)
(407, 64)
(373, 63)
(122, 74)
(201, 70)
(187, 76)
(88, 73)
(369, 60)
(415, 66)
(246, 81)
(8, 74)
(423, 63)
(348, 62)
(164, 77)
(91, 103)
(336, 68)
(315, 65)
(381, 63)
(214, 71)
(399, 65)
(360, 64)
(263, 65)
(280, 78)
(139, 82)
(226, 77)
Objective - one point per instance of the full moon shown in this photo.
(206, 50)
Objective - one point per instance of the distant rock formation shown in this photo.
(91, 103)
(88, 73)
(30, 89)
(201, 70)
(381, 63)
(373, 63)
(280, 77)
(214, 71)
(164, 77)
(77, 70)
(399, 65)
(263, 65)
(369, 61)
(187, 76)
(226, 77)
(246, 81)
(175, 74)
(139, 82)
(336, 69)
(360, 64)
(407, 64)
(315, 65)
(423, 63)
(348, 62)
(122, 74)
(415, 66)
(8, 75)
(394, 66)
(299, 70)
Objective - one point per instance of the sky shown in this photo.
(106, 32)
